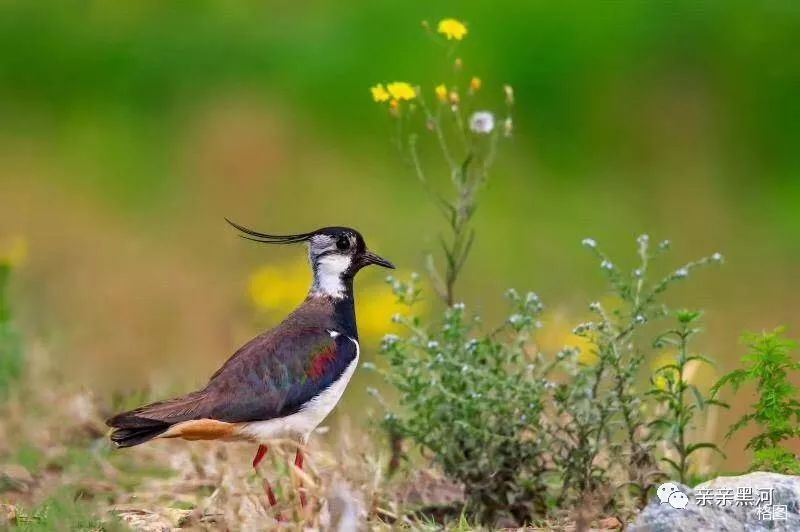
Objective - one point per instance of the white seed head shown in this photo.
(481, 122)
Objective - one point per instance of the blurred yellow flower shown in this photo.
(279, 287)
(558, 333)
(400, 90)
(441, 92)
(475, 84)
(374, 310)
(659, 361)
(13, 251)
(379, 93)
(452, 28)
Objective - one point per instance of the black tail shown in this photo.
(130, 430)
(146, 422)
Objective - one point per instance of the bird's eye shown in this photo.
(343, 243)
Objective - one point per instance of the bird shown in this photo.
(284, 382)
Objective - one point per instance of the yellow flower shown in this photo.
(379, 94)
(13, 251)
(375, 307)
(441, 92)
(400, 90)
(279, 287)
(475, 84)
(452, 28)
(558, 332)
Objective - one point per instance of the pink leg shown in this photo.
(260, 454)
(298, 462)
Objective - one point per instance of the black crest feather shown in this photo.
(265, 238)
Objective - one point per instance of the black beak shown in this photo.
(371, 258)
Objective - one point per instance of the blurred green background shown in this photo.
(128, 130)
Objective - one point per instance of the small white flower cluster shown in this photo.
(595, 306)
(643, 240)
(458, 306)
(607, 265)
(718, 258)
(567, 352)
(389, 340)
(639, 319)
(681, 273)
(533, 302)
(433, 344)
(584, 327)
(516, 319)
(589, 243)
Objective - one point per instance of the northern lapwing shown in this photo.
(284, 382)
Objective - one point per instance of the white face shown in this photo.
(330, 263)
(665, 490)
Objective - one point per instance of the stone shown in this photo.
(753, 503)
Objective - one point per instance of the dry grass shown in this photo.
(54, 449)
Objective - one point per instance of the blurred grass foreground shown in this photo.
(128, 131)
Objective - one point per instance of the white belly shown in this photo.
(302, 423)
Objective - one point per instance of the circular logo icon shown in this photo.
(665, 490)
(678, 500)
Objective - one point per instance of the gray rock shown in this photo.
(755, 502)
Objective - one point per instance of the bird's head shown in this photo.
(336, 255)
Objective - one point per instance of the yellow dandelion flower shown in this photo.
(475, 84)
(379, 93)
(400, 90)
(441, 92)
(452, 28)
(13, 251)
